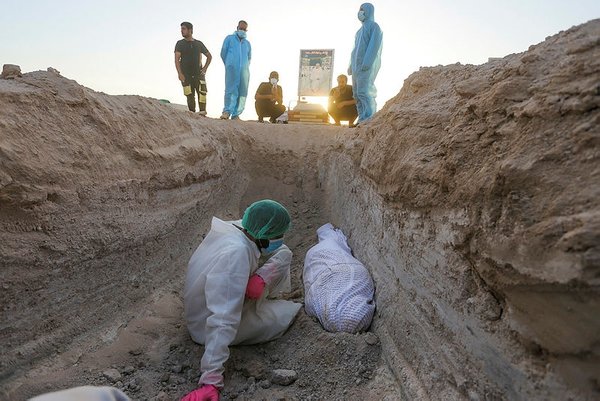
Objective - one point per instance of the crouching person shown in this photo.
(225, 295)
(342, 105)
(338, 289)
(269, 99)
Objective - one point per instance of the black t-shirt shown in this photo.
(266, 88)
(190, 56)
(339, 96)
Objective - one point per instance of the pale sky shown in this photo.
(126, 46)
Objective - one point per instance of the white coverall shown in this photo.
(216, 311)
(85, 393)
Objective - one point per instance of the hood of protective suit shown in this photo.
(369, 10)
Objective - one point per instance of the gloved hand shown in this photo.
(255, 287)
(207, 392)
(349, 71)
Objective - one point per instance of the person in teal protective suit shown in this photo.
(365, 62)
(236, 54)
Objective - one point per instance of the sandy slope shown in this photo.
(472, 197)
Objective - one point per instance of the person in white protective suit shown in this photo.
(227, 295)
(84, 393)
(338, 289)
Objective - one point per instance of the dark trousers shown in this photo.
(346, 113)
(198, 85)
(266, 108)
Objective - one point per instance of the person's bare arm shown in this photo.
(259, 96)
(279, 98)
(346, 103)
(263, 97)
(178, 66)
(208, 60)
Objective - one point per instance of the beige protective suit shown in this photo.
(216, 310)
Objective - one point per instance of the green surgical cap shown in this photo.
(266, 219)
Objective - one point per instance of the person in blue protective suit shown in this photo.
(365, 62)
(236, 54)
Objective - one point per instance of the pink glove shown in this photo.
(255, 287)
(207, 392)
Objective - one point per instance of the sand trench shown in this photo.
(472, 197)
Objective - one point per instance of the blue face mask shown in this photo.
(274, 244)
(241, 34)
(361, 16)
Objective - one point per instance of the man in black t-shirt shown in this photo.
(342, 106)
(269, 99)
(191, 72)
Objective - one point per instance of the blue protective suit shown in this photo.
(236, 55)
(365, 62)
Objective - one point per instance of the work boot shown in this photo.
(235, 117)
(225, 116)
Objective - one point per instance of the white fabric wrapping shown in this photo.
(84, 393)
(216, 311)
(338, 289)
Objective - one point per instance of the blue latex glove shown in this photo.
(207, 392)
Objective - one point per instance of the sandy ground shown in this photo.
(156, 360)
(109, 255)
(472, 197)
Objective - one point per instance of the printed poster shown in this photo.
(316, 72)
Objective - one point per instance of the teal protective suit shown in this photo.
(236, 54)
(365, 62)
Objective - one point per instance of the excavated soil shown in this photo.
(472, 197)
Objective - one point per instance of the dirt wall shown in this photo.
(472, 197)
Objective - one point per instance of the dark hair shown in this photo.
(188, 25)
(274, 73)
(342, 76)
(240, 21)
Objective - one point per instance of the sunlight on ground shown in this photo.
(322, 100)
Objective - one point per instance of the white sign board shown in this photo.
(316, 72)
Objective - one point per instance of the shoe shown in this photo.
(202, 113)
(272, 120)
(225, 116)
(235, 117)
(260, 120)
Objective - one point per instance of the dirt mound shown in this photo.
(484, 181)
(472, 197)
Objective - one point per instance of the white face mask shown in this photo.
(273, 81)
